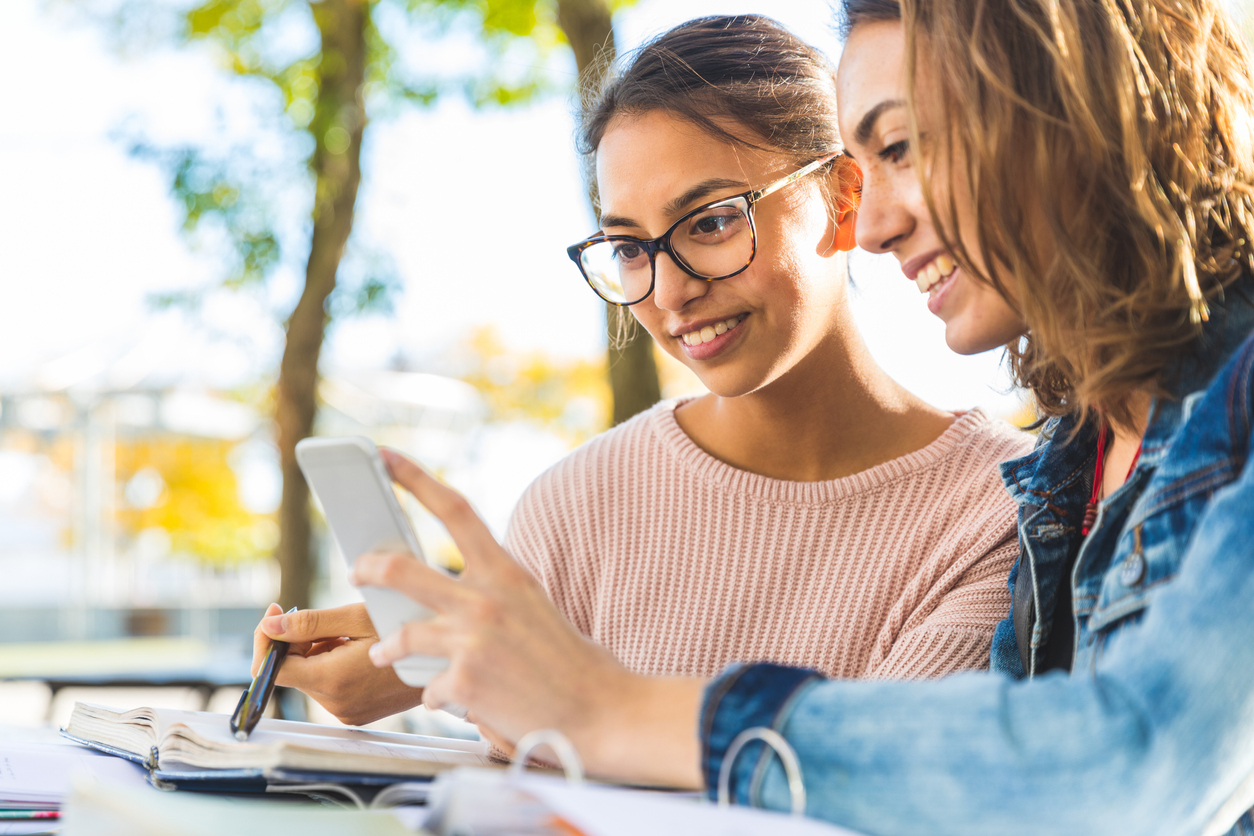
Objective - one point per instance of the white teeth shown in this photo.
(941, 268)
(709, 332)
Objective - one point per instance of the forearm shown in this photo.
(1154, 740)
(644, 731)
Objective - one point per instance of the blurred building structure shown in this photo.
(135, 507)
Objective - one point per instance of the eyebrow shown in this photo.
(674, 207)
(866, 125)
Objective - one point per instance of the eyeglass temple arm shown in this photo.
(754, 197)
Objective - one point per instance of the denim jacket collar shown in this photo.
(1052, 484)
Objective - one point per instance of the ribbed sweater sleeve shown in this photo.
(681, 564)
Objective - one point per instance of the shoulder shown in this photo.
(985, 439)
(975, 515)
(968, 456)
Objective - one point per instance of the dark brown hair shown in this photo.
(746, 70)
(1117, 130)
(723, 73)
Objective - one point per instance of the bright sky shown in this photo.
(468, 203)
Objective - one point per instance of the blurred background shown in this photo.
(228, 224)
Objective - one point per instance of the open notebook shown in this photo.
(195, 750)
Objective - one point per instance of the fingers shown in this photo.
(437, 693)
(408, 575)
(326, 646)
(471, 535)
(261, 641)
(304, 626)
(415, 638)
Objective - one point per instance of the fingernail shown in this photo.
(274, 625)
(376, 653)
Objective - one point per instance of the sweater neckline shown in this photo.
(733, 479)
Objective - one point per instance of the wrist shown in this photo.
(643, 729)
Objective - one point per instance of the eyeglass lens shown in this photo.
(714, 243)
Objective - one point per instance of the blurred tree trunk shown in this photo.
(339, 122)
(634, 382)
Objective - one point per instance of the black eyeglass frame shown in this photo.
(662, 243)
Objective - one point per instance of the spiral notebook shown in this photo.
(196, 750)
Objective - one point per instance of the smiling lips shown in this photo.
(941, 268)
(709, 332)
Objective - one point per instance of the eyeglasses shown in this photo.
(712, 242)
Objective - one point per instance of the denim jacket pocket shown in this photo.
(1147, 556)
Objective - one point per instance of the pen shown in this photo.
(252, 703)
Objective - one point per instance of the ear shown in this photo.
(846, 227)
(848, 183)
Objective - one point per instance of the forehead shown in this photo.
(645, 160)
(871, 73)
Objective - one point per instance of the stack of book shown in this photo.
(196, 750)
(35, 779)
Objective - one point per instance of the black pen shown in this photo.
(252, 703)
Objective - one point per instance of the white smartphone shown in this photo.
(353, 488)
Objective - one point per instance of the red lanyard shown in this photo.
(1090, 510)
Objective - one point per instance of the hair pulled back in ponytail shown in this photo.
(744, 79)
(726, 71)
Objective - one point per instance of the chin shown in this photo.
(969, 341)
(728, 386)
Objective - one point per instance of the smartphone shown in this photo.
(352, 485)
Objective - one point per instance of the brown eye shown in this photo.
(896, 152)
(626, 251)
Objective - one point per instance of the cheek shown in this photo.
(649, 318)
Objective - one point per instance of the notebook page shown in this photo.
(367, 744)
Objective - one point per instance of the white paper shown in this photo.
(609, 811)
(41, 774)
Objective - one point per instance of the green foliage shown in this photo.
(220, 201)
(515, 40)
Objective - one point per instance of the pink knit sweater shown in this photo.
(681, 564)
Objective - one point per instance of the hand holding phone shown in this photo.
(353, 487)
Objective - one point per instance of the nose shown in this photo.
(672, 287)
(885, 220)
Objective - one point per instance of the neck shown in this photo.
(1125, 441)
(834, 414)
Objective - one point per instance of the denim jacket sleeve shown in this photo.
(1156, 738)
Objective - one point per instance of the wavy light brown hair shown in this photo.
(1106, 146)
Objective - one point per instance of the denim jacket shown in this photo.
(1152, 729)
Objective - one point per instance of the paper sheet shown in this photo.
(41, 774)
(609, 811)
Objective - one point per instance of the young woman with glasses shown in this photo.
(1075, 179)
(808, 510)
